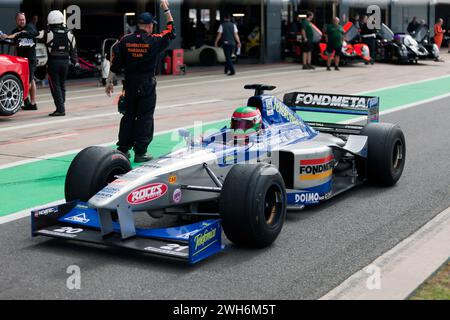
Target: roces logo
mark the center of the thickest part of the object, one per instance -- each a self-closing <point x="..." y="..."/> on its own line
<point x="147" y="193"/>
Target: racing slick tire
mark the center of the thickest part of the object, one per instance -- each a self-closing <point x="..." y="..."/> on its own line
<point x="386" y="153"/>
<point x="11" y="95"/>
<point x="91" y="170"/>
<point x="253" y="205"/>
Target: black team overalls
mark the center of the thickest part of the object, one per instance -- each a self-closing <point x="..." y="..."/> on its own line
<point x="138" y="54"/>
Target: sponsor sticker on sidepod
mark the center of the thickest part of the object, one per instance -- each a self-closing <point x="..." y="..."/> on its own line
<point x="147" y="193"/>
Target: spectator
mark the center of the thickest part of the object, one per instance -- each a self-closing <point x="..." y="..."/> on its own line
<point x="308" y="35"/>
<point x="368" y="36"/>
<point x="412" y="26"/>
<point x="356" y="20"/>
<point x="335" y="38"/>
<point x="228" y="33"/>
<point x="438" y="33"/>
<point x="24" y="39"/>
<point x="35" y="20"/>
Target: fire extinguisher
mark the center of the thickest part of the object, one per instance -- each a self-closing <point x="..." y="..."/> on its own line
<point x="167" y="65"/>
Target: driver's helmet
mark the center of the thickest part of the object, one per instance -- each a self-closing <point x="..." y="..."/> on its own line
<point x="246" y="121"/>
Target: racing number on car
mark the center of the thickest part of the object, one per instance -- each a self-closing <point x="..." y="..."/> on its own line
<point x="68" y="230"/>
<point x="174" y="247"/>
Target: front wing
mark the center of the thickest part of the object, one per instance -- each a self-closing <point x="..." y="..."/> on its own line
<point x="75" y="221"/>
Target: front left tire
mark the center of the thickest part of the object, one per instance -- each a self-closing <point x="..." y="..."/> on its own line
<point x="253" y="205"/>
<point x="91" y="170"/>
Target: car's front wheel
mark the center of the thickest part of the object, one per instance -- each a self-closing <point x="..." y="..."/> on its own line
<point x="91" y="170"/>
<point x="253" y="205"/>
<point x="11" y="95"/>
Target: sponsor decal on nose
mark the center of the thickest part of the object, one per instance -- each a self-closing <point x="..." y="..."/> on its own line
<point x="147" y="193"/>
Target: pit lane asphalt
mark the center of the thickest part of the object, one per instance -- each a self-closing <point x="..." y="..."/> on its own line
<point x="317" y="249"/>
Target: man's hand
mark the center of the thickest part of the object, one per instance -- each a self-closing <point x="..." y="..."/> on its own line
<point x="164" y="4"/>
<point x="109" y="89"/>
<point x="3" y="36"/>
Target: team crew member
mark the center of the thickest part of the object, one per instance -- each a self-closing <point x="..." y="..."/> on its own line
<point x="61" y="49"/>
<point x="308" y="35"/>
<point x="138" y="54"/>
<point x="24" y="39"/>
<point x="335" y="38"/>
<point x="438" y="33"/>
<point x="369" y="36"/>
<point x="228" y="32"/>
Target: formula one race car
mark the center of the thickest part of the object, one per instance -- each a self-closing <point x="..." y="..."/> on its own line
<point x="242" y="178"/>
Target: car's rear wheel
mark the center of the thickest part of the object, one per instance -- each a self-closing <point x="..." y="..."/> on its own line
<point x="253" y="205"/>
<point x="91" y="170"/>
<point x="11" y="94"/>
<point x="386" y="153"/>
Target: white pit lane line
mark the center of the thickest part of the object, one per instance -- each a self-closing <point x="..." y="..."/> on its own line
<point x="100" y="115"/>
<point x="161" y="83"/>
<point x="26" y="213"/>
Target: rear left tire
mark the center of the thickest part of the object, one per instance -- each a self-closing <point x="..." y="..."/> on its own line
<point x="386" y="154"/>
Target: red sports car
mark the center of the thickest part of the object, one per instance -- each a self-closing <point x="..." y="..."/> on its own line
<point x="14" y="83"/>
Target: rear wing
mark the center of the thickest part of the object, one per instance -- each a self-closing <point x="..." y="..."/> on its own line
<point x="335" y="103"/>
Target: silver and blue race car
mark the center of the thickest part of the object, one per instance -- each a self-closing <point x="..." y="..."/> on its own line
<point x="219" y="182"/>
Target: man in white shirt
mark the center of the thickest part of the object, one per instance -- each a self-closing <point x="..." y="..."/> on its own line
<point x="228" y="32"/>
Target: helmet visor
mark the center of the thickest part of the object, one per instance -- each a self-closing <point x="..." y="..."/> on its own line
<point x="242" y="124"/>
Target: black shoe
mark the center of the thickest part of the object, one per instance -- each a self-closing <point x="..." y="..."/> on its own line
<point x="305" y="67"/>
<point x="29" y="107"/>
<point x="336" y="68"/>
<point x="310" y="66"/>
<point x="143" y="158"/>
<point x="328" y="68"/>
<point x="232" y="73"/>
<point x="57" y="114"/>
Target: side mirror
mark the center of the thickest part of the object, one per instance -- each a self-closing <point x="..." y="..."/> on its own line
<point x="184" y="133"/>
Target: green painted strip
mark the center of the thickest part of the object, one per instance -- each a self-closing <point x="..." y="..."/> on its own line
<point x="41" y="182"/>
